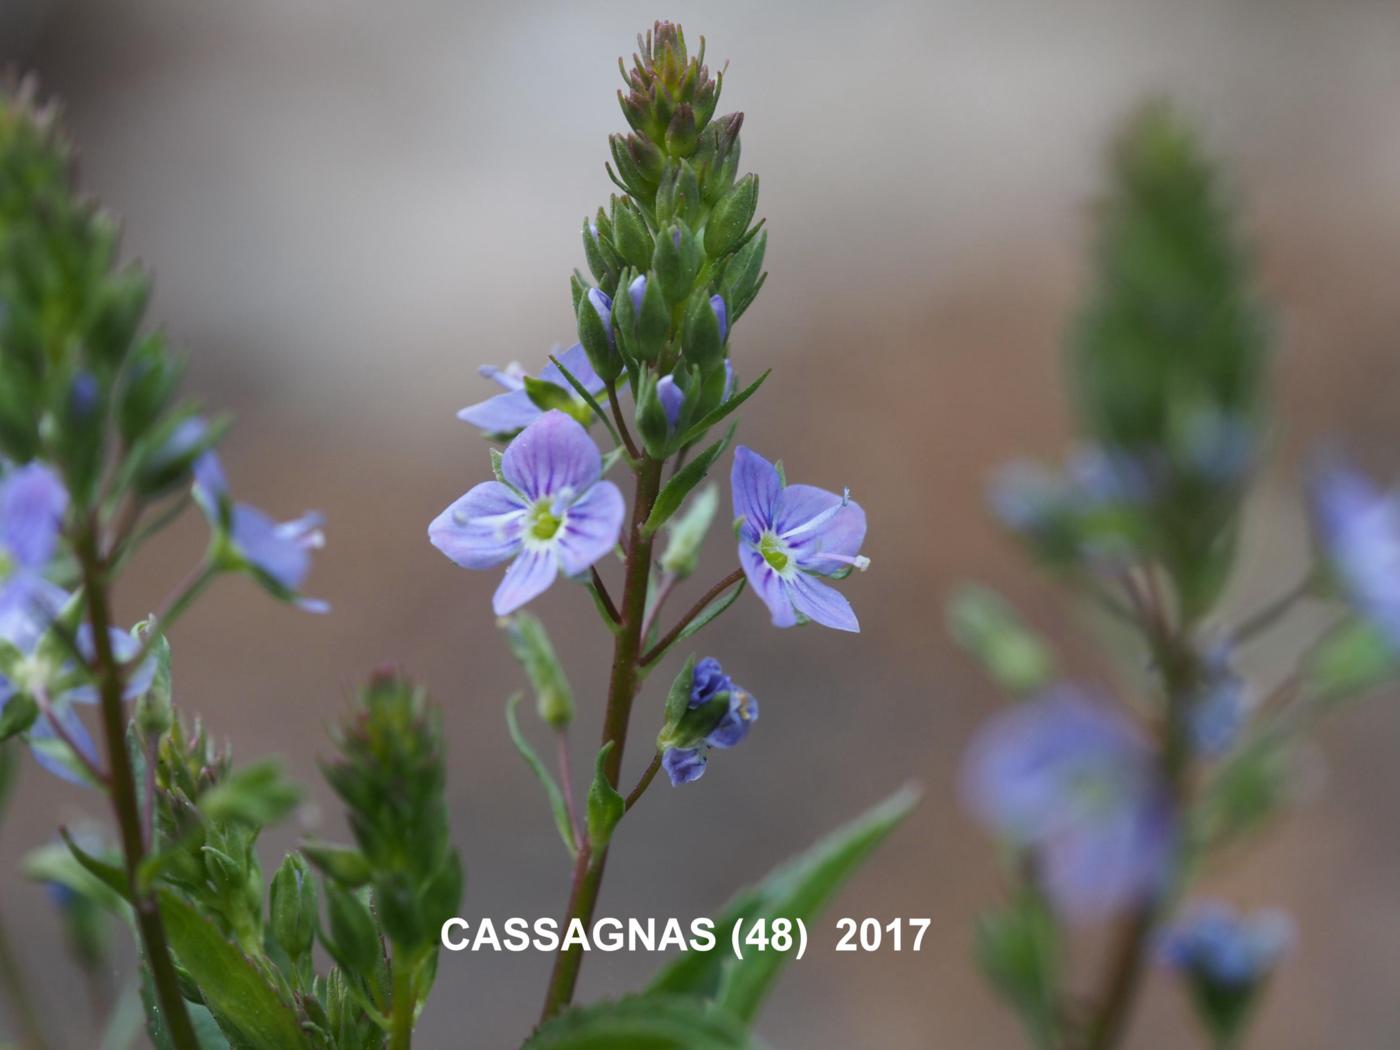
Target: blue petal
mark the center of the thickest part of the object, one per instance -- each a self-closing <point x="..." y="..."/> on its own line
<point x="32" y="503"/>
<point x="768" y="585"/>
<point x="551" y="457"/>
<point x="591" y="527"/>
<point x="755" y="486"/>
<point x="482" y="528"/>
<point x="73" y="726"/>
<point x="575" y="359"/>
<point x="821" y="604"/>
<point x="528" y="577"/>
<point x="683" y="764"/>
<point x="502" y="414"/>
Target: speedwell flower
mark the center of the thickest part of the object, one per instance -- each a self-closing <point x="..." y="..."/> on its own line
<point x="789" y="535"/>
<point x="1071" y="780"/>
<point x="1216" y="944"/>
<point x="549" y="511"/>
<point x="32" y="503"/>
<point x="1358" y="527"/>
<point x="277" y="554"/>
<point x="41" y="665"/>
<point x="725" y="713"/>
<point x="514" y="410"/>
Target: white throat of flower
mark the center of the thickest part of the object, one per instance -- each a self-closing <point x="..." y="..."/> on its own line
<point x="776" y="548"/>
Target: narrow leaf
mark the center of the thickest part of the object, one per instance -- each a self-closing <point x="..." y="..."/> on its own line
<point x="649" y="1022"/>
<point x="589" y="399"/>
<point x="697" y="431"/>
<point x="605" y="805"/>
<point x="669" y="500"/>
<point x="109" y="875"/>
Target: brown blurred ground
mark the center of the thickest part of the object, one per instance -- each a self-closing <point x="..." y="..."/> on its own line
<point x="350" y="205"/>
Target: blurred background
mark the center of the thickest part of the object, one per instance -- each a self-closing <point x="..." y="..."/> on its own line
<point x="350" y="205"/>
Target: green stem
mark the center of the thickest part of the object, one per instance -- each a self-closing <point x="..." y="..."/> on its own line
<point x="122" y="790"/>
<point x="622" y="689"/>
<point x="17" y="991"/>
<point x="643" y="783"/>
<point x="403" y="1004"/>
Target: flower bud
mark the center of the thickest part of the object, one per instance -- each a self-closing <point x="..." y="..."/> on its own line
<point x="340" y="863"/>
<point x="652" y="424"/>
<point x="678" y="194"/>
<point x="686" y="533"/>
<point x="530" y="644"/>
<point x="731" y="217"/>
<point x="292" y="907"/>
<point x="682" y="134"/>
<point x="706" y="327"/>
<point x="147" y="383"/>
<point x="631" y="238"/>
<point x="602" y="257"/>
<point x="639" y="164"/>
<point x="596" y="334"/>
<point x="716" y="158"/>
<point x="154" y="713"/>
<point x="676" y="262"/>
<point x="744" y="276"/>
<point x="354" y="942"/>
<point x="643" y="318"/>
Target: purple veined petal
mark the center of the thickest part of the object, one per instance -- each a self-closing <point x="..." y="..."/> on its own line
<point x="707" y="680"/>
<point x="668" y="392"/>
<point x="575" y="359"/>
<point x="552" y="456"/>
<point x="683" y="764"/>
<point x="755" y="486"/>
<point x="737" y="721"/>
<point x="270" y="548"/>
<point x="768" y="585"/>
<point x="528" y="577"/>
<point x="590" y="528"/>
<point x="721" y="315"/>
<point x="42" y="731"/>
<point x="512" y="377"/>
<point x="481" y="528"/>
<point x="821" y="604"/>
<point x="637" y="290"/>
<point x="823" y="531"/>
<point x="501" y="414"/>
<point x="32" y="503"/>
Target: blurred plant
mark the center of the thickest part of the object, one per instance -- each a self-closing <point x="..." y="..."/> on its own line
<point x="675" y="262"/>
<point x="1110" y="809"/>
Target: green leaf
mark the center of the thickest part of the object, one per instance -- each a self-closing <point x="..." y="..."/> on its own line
<point x="1019" y="951"/>
<point x="711" y="612"/>
<point x="542" y="774"/>
<point x="249" y="1012"/>
<point x="345" y="865"/>
<point x="17" y="716"/>
<point x="678" y="698"/>
<point x="109" y="875"/>
<point x="546" y="395"/>
<point x="673" y="494"/>
<point x="256" y="794"/>
<point x="206" y="1029"/>
<point x="605" y="805"/>
<point x="696" y="432"/>
<point x="9" y="773"/>
<point x="1352" y="659"/>
<point x="797" y="890"/>
<point x="686" y="533"/>
<point x="650" y="1022"/>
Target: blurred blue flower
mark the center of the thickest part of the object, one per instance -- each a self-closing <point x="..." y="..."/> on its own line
<point x="1071" y="779"/>
<point x="1221" y="947"/>
<point x="1358" y="527"/>
<point x="32" y="504"/>
<point x="278" y="554"/>
<point x="791" y="534"/>
<point x="1219" y="704"/>
<point x="550" y="511"/>
<point x="709" y="684"/>
<point x="513" y="411"/>
<point x="44" y="669"/>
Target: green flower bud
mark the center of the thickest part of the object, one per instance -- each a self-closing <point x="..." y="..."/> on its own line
<point x="744" y="276"/>
<point x="594" y="314"/>
<point x="340" y="863"/>
<point x="146" y="387"/>
<point x="154" y="713"/>
<point x="676" y="262"/>
<point x="292" y="907"/>
<point x="686" y="532"/>
<point x="354" y="941"/>
<point x="630" y="236"/>
<point x="652" y="424"/>
<point x="682" y="134"/>
<point x="731" y="217"/>
<point x="603" y="258"/>
<point x="702" y="340"/>
<point x="605" y="805"/>
<point x="639" y="164"/>
<point x="530" y="644"/>
<point x="678" y="195"/>
<point x="717" y="157"/>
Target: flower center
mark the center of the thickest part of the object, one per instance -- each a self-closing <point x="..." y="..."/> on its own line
<point x="7" y="564"/>
<point x="774" y="551"/>
<point x="542" y="522"/>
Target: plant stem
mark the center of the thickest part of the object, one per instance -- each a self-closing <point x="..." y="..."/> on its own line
<point x="656" y="651"/>
<point x="17" y="991"/>
<point x="121" y="788"/>
<point x="622" y="689"/>
<point x="644" y="783"/>
<point x="566" y="781"/>
<point x="402" y="1005"/>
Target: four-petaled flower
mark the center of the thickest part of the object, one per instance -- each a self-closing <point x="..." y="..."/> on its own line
<point x="729" y="711"/>
<point x="514" y="410"/>
<point x="32" y="504"/>
<point x="789" y="535"/>
<point x="549" y="511"/>
<point x="1359" y="529"/>
<point x="1217" y="945"/>
<point x="277" y="554"/>
<point x="1072" y="780"/>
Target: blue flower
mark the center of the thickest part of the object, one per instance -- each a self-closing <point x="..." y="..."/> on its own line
<point x="672" y="399"/>
<point x="550" y="511"/>
<point x="789" y="535"/>
<point x="1071" y="780"/>
<point x="1219" y="703"/>
<point x="513" y="411"/>
<point x="1223" y="949"/>
<point x="1358" y="527"/>
<point x="277" y="554"/>
<point x="43" y="668"/>
<point x="737" y="711"/>
<point x="32" y="504"/>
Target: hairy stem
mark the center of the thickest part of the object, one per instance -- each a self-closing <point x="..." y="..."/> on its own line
<point x="622" y="689"/>
<point x="121" y="788"/>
